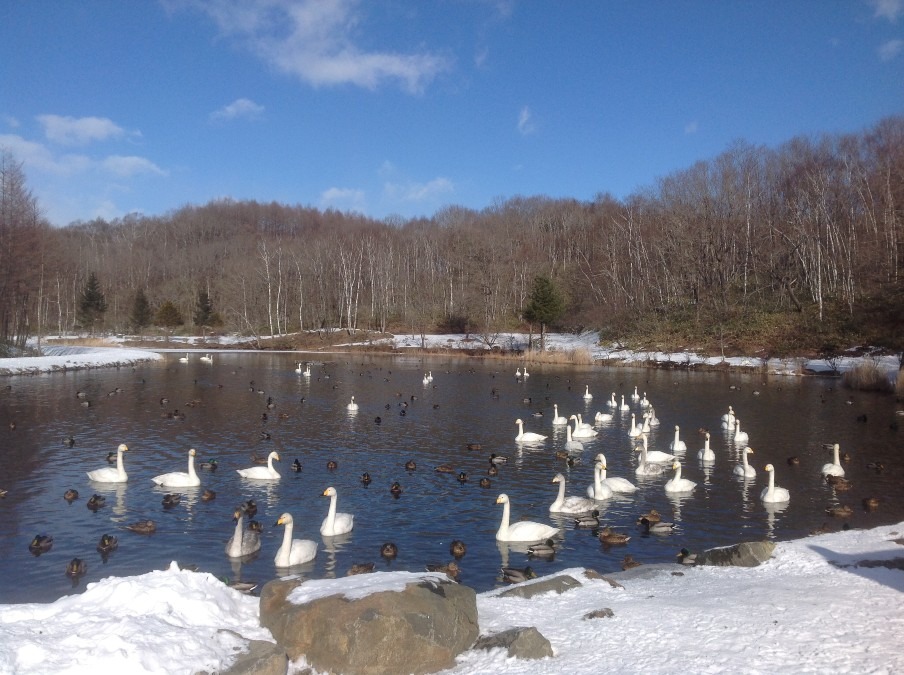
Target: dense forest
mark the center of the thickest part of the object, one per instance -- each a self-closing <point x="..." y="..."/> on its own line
<point x="790" y="249"/>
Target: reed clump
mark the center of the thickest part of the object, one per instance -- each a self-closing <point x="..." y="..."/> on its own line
<point x="868" y="376"/>
<point x="573" y="357"/>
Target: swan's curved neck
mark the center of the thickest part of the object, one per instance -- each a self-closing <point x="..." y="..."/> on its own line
<point x="504" y="525"/>
<point x="678" y="473"/>
<point x="331" y="514"/>
<point x="270" y="462"/>
<point x="837" y="457"/>
<point x="771" y="483"/>
<point x="239" y="531"/>
<point x="119" y="465"/>
<point x="191" y="465"/>
<point x="287" y="541"/>
<point x="568" y="432"/>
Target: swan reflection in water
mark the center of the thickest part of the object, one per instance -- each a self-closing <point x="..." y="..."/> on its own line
<point x="332" y="546"/>
<point x="773" y="509"/>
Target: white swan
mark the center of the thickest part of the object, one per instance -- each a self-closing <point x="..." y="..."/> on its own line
<point x="180" y="478"/>
<point x="581" y="423"/>
<point x="242" y="542"/>
<point x="677" y="445"/>
<point x="335" y="523"/>
<point x="207" y="358"/>
<point x="526" y="374"/>
<point x="298" y="368"/>
<point x="430" y="375"/>
<point x="744" y="469"/>
<point x="307" y="369"/>
<point x="599" y="490"/>
<point x="645" y="467"/>
<point x="572" y="504"/>
<point x="634" y="431"/>
<point x="834" y="468"/>
<point x="523" y="530"/>
<point x="293" y="551"/>
<point x="262" y="472"/>
<point x="612" y="403"/>
<point x="183" y="359"/>
<point x="728" y="419"/>
<point x="772" y="494"/>
<point x="677" y="483"/>
<point x="654" y="421"/>
<point x="603" y="417"/>
<point x="635" y="396"/>
<point x="654" y="455"/>
<point x="581" y="432"/>
<point x="623" y="406"/>
<point x="110" y="474"/>
<point x="740" y="436"/>
<point x="587" y="395"/>
<point x="645" y="427"/>
<point x="616" y="484"/>
<point x="557" y="419"/>
<point x="572" y="445"/>
<point x="707" y="454"/>
<point x="352" y="406"/>
<point x="518" y="372"/>
<point x="426" y="379"/>
<point x="645" y="402"/>
<point x="527" y="436"/>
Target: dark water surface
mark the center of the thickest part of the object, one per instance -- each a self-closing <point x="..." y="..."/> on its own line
<point x="223" y="405"/>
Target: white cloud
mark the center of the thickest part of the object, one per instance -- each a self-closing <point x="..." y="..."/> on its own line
<point x="11" y="121"/>
<point x="313" y="40"/>
<point x="418" y="192"/>
<point x="39" y="157"/>
<point x="343" y="199"/>
<point x="526" y="123"/>
<point x="239" y="108"/>
<point x="890" y="49"/>
<point x="888" y="9"/>
<point x="78" y="131"/>
<point x="126" y="167"/>
<point x="691" y="127"/>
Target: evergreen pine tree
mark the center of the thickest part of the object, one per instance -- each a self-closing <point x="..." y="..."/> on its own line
<point x="140" y="315"/>
<point x="168" y="316"/>
<point x="545" y="305"/>
<point x="204" y="310"/>
<point x="91" y="305"/>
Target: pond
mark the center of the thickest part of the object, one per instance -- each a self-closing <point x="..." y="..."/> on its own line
<point x="243" y="404"/>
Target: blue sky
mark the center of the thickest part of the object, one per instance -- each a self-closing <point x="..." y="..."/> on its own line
<point x="402" y="107"/>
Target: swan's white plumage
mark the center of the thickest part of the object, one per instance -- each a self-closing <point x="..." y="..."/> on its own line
<point x="728" y="419"/>
<point x="740" y="436"/>
<point x="523" y="530"/>
<point x="634" y="431"/>
<point x="744" y="469"/>
<point x="207" y="358"/>
<point x="183" y="359"/>
<point x="242" y="542"/>
<point x="262" y="472"/>
<point x="616" y="484"/>
<point x="773" y="494"/>
<point x="572" y="445"/>
<point x="527" y="435"/>
<point x="612" y="403"/>
<point x="571" y="504"/>
<point x="557" y="419"/>
<point x="352" y="406"/>
<point x="677" y="445"/>
<point x="587" y="395"/>
<point x="646" y="467"/>
<point x="599" y="490"/>
<point x="602" y="417"/>
<point x="655" y="455"/>
<point x="335" y="523"/>
<point x="111" y="474"/>
<point x="180" y="478"/>
<point x="834" y="468"/>
<point x="623" y="406"/>
<point x="581" y="432"/>
<point x="706" y="454"/>
<point x="677" y="483"/>
<point x="293" y="551"/>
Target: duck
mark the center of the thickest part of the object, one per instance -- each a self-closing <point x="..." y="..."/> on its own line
<point x="171" y="499"/>
<point x="352" y="406"/>
<point x="255" y="526"/>
<point x="180" y="478"/>
<point x="834" y="467"/>
<point x="242" y="542"/>
<point x="744" y="469"/>
<point x="572" y="504"/>
<point x="111" y="457"/>
<point x="773" y="494"/>
<point x="557" y="419"/>
<point x="599" y="490"/>
<point x="514" y="575"/>
<point x="107" y="544"/>
<point x="497" y="459"/>
<point x="293" y="551"/>
<point x="629" y="563"/>
<point x="492" y="470"/>
<point x="609" y="536"/>
<point x="840" y="511"/>
<point x="581" y="432"/>
<point x="76" y="568"/>
<point x="588" y="521"/>
<point x="677" y="445"/>
<point x="410" y="465"/>
<point x="444" y="468"/>
<point x="657" y="527"/>
<point x="209" y="465"/>
<point x="462" y="477"/>
<point x="296" y="466"/>
<point x="109" y="474"/>
<point x="793" y="461"/>
<point x="651" y="516"/>
<point x="740" y="437"/>
<point x="208" y="495"/>
<point x="839" y="483"/>
<point x="685" y="557"/>
<point x="571" y="445"/>
<point x="677" y="483"/>
<point x="335" y="523"/>
<point x="450" y="569"/>
<point x="360" y="568"/>
<point x="95" y="502"/>
<point x="870" y="503"/>
<point x="69" y="442"/>
<point x="389" y="550"/>
<point x="395" y="489"/>
<point x="262" y="472"/>
<point x="544" y="549"/>
<point x="474" y="446"/>
<point x="522" y="530"/>
<point x="365" y="478"/>
<point x="41" y="544"/>
<point x="527" y="436"/>
<point x="249" y="506"/>
<point x="142" y="527"/>
<point x="654" y="455"/>
<point x="70" y="495"/>
<point x="616" y="484"/>
<point x="707" y="454"/>
<point x="486" y="482"/>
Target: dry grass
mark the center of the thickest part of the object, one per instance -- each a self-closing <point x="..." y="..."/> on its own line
<point x="899" y="383"/>
<point x="867" y="376"/>
<point x="572" y="357"/>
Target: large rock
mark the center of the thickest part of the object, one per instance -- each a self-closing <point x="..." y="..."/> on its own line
<point x="521" y="643"/>
<point x="557" y="584"/>
<point x="262" y="658"/>
<point x="745" y="554"/>
<point x="419" y="625"/>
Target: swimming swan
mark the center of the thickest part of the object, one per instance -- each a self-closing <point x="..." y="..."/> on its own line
<point x="623" y="406"/>
<point x="728" y="419"/>
<point x="646" y="467"/>
<point x="739" y="436"/>
<point x="523" y="530"/>
<point x="612" y="403"/>
<point x="587" y="395"/>
<point x="572" y="504"/>
<point x="707" y="454"/>
<point x="677" y="445"/>
<point x="527" y="435"/>
<point x="572" y="445"/>
<point x="772" y="494"/>
<point x="262" y="472"/>
<point x="634" y="431"/>
<point x="293" y="551"/>
<point x="335" y="523"/>
<point x="598" y="490"/>
<point x="352" y="406"/>
<point x="602" y="417"/>
<point x="616" y="484"/>
<point x="677" y="483"/>
<point x="744" y="469"/>
<point x="557" y="419"/>
<point x="207" y="358"/>
<point x="655" y="455"/>
<point x="111" y="474"/>
<point x="834" y="468"/>
<point x="180" y="478"/>
<point x="242" y="542"/>
<point x="581" y="432"/>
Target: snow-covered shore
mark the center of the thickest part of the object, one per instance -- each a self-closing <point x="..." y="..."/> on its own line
<point x="831" y="603"/>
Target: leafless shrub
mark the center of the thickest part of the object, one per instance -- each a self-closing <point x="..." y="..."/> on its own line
<point x="868" y="376"/>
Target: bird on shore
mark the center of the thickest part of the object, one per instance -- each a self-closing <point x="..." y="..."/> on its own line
<point x="515" y="575"/>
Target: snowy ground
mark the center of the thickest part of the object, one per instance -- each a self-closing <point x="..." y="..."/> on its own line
<point x="832" y="603"/>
